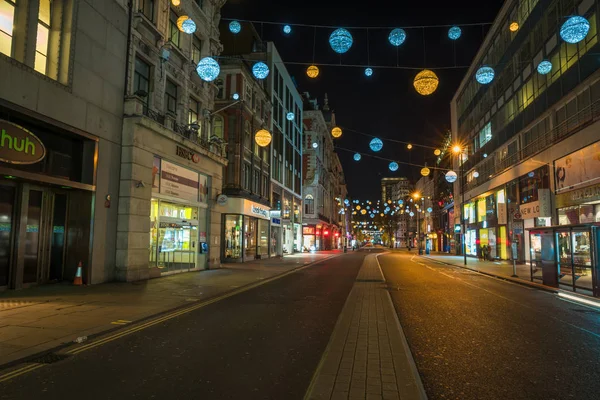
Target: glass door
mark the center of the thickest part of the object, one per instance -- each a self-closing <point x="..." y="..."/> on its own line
<point x="564" y="257"/>
<point x="7" y="209"/>
<point x="582" y="261"/>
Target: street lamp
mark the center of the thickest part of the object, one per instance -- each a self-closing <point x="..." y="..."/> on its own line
<point x="456" y="149"/>
<point x="417" y="196"/>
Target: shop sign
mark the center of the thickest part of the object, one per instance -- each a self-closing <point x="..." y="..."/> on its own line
<point x="18" y="145"/>
<point x="187" y="154"/>
<point x="276" y="221"/>
<point x="222" y="199"/>
<point x="540" y="208"/>
<point x="178" y="181"/>
<point x="502" y="214"/>
<point x="202" y="237"/>
<point x="308" y="230"/>
<point x="259" y="211"/>
<point x="578" y="196"/>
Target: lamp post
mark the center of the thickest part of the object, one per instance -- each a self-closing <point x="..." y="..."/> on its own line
<point x="458" y="151"/>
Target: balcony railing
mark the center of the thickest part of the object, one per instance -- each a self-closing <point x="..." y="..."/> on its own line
<point x="491" y="167"/>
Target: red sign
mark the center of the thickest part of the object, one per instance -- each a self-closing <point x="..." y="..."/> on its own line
<point x="308" y="230"/>
<point x="518" y="215"/>
<point x="326" y="233"/>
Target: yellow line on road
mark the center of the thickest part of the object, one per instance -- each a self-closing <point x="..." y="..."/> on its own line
<point x="20" y="371"/>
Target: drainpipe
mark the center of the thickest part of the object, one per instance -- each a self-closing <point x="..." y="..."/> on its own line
<point x="127" y="51"/>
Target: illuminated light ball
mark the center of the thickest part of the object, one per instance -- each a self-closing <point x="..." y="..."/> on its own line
<point x="437" y="152"/>
<point x="315" y="145"/>
<point x="514" y="26"/>
<point x="409" y="146"/>
<point x="188" y="26"/>
<point x="176" y="3"/>
<point x="180" y="21"/>
<point x="358" y="208"/>
<point x="363" y="212"/>
<point x="485" y="75"/>
<point x="208" y="69"/>
<point x="544" y="67"/>
<point x="389" y="202"/>
<point x="575" y="29"/>
<point x="336" y="132"/>
<point x="397" y="37"/>
<point x="287" y="29"/>
<point x="381" y="214"/>
<point x="357" y="157"/>
<point x="368" y="71"/>
<point x="312" y="71"/>
<point x="429" y="209"/>
<point x="347" y="202"/>
<point x="412" y="214"/>
<point x="236" y="96"/>
<point x="376" y="144"/>
<point x="372" y="215"/>
<point x="454" y="33"/>
<point x="484" y="155"/>
<point x="400" y="202"/>
<point x="425" y="171"/>
<point x="393" y="166"/>
<point x="235" y="27"/>
<point x="290" y="116"/>
<point x="260" y="70"/>
<point x="262" y="138"/>
<point x="340" y="40"/>
<point x="426" y="82"/>
<point x="475" y="174"/>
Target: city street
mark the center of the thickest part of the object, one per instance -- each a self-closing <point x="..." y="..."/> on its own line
<point x="262" y="343"/>
<point x="476" y="337"/>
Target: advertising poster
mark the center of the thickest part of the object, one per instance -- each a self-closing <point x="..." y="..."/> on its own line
<point x="178" y="182"/>
<point x="156" y="175"/>
<point x="203" y="189"/>
<point x="578" y="169"/>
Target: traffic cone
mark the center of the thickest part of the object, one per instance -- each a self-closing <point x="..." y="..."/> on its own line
<point x="78" y="281"/>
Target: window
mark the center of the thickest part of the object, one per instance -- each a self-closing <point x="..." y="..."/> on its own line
<point x="246" y="177"/>
<point x="485" y="135"/>
<point x="141" y="78"/>
<point x="196" y="50"/>
<point x="194" y="111"/>
<point x="220" y="89"/>
<point x="43" y="32"/>
<point x="171" y="97"/>
<point x="309" y="204"/>
<point x="247" y="135"/>
<point x="7" y="15"/>
<point x="218" y="127"/>
<point x="256" y="182"/>
<point x="147" y="8"/>
<point x="173" y="29"/>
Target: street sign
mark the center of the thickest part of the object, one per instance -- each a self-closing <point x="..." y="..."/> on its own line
<point x="517" y="215"/>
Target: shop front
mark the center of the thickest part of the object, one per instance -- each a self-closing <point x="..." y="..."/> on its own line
<point x="47" y="190"/>
<point x="178" y="219"/>
<point x="275" y="250"/>
<point x="245" y="235"/>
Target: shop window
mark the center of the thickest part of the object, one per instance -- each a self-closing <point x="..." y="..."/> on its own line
<point x="263" y="237"/>
<point x="250" y="237"/>
<point x="193" y="111"/>
<point x="7" y="16"/>
<point x="309" y="204"/>
<point x="481" y="210"/>
<point x="233" y="236"/>
<point x="196" y="50"/>
<point x="173" y="29"/>
<point x="146" y="7"/>
<point x="171" y="97"/>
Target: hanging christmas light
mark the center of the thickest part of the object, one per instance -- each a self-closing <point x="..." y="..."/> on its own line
<point x="185" y="24"/>
<point x="575" y="29"/>
<point x="475" y="174"/>
<point x="393" y="166"/>
<point x="262" y="138"/>
<point x="357" y="157"/>
<point x="454" y="33"/>
<point x="514" y="26"/>
<point x="290" y="116"/>
<point x="397" y="37"/>
<point x="409" y="146"/>
<point x="485" y="75"/>
<point x="437" y="152"/>
<point x="544" y="67"/>
<point x="340" y="40"/>
<point x="287" y="29"/>
<point x="236" y="96"/>
<point x="376" y="144"/>
<point x="208" y="69"/>
<point x="315" y="145"/>
<point x="425" y="171"/>
<point x="368" y="71"/>
<point x="235" y="27"/>
<point x="426" y="82"/>
<point x="312" y="71"/>
<point x="176" y="3"/>
<point x="260" y="70"/>
<point x="336" y="132"/>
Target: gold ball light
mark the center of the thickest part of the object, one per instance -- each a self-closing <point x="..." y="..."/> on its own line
<point x="312" y="71"/>
<point x="336" y="132"/>
<point x="425" y="171"/>
<point x="262" y="138"/>
<point x="180" y="22"/>
<point x="409" y="146"/>
<point x="363" y="212"/>
<point x="358" y="208"/>
<point x="437" y="152"/>
<point x="426" y="82"/>
<point x="514" y="26"/>
<point x="176" y="3"/>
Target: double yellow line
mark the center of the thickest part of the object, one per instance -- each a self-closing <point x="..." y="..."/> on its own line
<point x="137" y="328"/>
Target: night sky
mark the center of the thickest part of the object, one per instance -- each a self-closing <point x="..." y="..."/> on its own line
<point x="385" y="104"/>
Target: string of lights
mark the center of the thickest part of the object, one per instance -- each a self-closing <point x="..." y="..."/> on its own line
<point x="390" y="160"/>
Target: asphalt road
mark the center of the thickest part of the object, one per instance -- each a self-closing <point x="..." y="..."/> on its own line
<point x="475" y="337"/>
<point x="264" y="343"/>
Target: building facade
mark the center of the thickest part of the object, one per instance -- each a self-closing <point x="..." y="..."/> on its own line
<point x="246" y="205"/>
<point x="525" y="135"/>
<point x="171" y="159"/>
<point x="324" y="187"/>
<point x="62" y="68"/>
<point x="398" y="189"/>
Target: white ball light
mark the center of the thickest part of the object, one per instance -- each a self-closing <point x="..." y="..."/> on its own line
<point x="451" y="176"/>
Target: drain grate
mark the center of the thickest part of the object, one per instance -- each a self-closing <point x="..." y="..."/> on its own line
<point x="50" y="358"/>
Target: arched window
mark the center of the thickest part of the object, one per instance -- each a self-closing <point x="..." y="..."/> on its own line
<point x="220" y="89"/>
<point x="247" y="135"/>
<point x="309" y="204"/>
<point x="218" y="127"/>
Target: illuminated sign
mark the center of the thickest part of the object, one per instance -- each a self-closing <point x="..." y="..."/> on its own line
<point x="18" y="145"/>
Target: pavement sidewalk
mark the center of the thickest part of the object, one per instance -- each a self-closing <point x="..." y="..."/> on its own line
<point x="367" y="356"/>
<point x="39" y="319"/>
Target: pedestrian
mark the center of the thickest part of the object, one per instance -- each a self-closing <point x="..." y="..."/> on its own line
<point x="489" y="252"/>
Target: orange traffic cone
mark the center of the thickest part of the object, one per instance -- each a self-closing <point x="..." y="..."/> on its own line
<point x="78" y="281"/>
